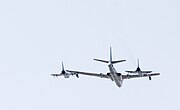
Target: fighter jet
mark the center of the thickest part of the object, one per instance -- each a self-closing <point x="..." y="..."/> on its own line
<point x="64" y="73"/>
<point x="113" y="75"/>
<point x="139" y="72"/>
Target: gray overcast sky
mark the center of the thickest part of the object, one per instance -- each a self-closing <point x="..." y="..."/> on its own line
<point x="36" y="35"/>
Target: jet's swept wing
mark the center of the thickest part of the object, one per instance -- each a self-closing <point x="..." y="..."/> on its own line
<point x="146" y="71"/>
<point x="138" y="71"/>
<point x="89" y="74"/>
<point x="131" y="71"/>
<point x="56" y="74"/>
<point x="137" y="76"/>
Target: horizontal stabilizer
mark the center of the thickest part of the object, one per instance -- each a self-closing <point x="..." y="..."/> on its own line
<point x="110" y="61"/>
<point x="118" y="61"/>
<point x="104" y="61"/>
<point x="113" y="62"/>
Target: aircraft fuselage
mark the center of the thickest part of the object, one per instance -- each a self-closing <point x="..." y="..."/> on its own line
<point x="117" y="78"/>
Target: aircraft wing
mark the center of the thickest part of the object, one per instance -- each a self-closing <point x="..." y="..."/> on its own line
<point x="89" y="74"/>
<point x="136" y="71"/>
<point x="56" y="74"/>
<point x="146" y="71"/>
<point x="137" y="76"/>
<point x="131" y="71"/>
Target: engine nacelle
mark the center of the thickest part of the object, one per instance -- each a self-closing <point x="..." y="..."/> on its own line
<point x="119" y="74"/>
<point x="101" y="75"/>
<point x="66" y="75"/>
<point x="77" y="75"/>
<point x="128" y="76"/>
<point x="150" y="78"/>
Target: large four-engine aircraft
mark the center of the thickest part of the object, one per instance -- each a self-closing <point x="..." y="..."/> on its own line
<point x="113" y="75"/>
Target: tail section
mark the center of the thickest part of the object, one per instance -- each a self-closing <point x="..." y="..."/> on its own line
<point x="63" y="71"/>
<point x="110" y="61"/>
<point x="138" y="68"/>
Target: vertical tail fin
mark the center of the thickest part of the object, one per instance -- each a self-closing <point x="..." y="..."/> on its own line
<point x="62" y="66"/>
<point x="138" y="68"/>
<point x="110" y="54"/>
<point x="63" y="71"/>
<point x="113" y="62"/>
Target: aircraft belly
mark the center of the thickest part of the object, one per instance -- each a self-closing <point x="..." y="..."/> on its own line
<point x="117" y="79"/>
